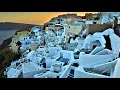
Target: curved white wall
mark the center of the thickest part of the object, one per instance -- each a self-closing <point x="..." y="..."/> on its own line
<point x="88" y="60"/>
<point x="80" y="73"/>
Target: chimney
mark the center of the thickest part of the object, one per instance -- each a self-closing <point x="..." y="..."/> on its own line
<point x="115" y="23"/>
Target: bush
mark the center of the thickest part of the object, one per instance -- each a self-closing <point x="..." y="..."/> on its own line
<point x="8" y="57"/>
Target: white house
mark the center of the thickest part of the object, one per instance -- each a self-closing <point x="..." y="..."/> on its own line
<point x="30" y="69"/>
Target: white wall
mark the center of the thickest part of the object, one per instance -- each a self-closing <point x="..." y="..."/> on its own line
<point x="80" y="73"/>
<point x="97" y="43"/>
<point x="66" y="72"/>
<point x="68" y="54"/>
<point x="89" y="22"/>
<point x="30" y="74"/>
<point x="80" y="43"/>
<point x="49" y="63"/>
<point x="104" y="52"/>
<point x="104" y="66"/>
<point x="96" y="50"/>
<point x="88" y="60"/>
<point x="115" y="42"/>
<point x="105" y="19"/>
<point x="116" y="73"/>
<point x="13" y="73"/>
<point x="66" y="28"/>
<point x="47" y="74"/>
<point x="95" y="39"/>
<point x="60" y="69"/>
<point x="31" y="55"/>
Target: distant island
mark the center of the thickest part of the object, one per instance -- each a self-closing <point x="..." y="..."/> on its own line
<point x="15" y="26"/>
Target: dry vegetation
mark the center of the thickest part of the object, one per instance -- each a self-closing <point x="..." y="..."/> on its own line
<point x="6" y="57"/>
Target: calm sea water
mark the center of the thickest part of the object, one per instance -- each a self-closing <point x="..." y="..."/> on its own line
<point x="4" y="34"/>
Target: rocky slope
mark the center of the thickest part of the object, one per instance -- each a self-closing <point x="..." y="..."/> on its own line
<point x="6" y="57"/>
<point x="5" y="43"/>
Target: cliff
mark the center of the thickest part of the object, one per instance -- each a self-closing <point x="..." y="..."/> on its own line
<point x="5" y="43"/>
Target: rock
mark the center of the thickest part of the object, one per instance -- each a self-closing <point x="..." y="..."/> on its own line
<point x="1" y="59"/>
<point x="5" y="43"/>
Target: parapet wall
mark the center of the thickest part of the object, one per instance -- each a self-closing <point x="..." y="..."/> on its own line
<point x="92" y="28"/>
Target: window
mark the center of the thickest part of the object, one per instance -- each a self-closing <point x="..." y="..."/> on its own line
<point x="75" y="64"/>
<point x="94" y="22"/>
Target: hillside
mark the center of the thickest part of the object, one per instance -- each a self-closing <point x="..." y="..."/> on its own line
<point x="6" y="57"/>
<point x="5" y="43"/>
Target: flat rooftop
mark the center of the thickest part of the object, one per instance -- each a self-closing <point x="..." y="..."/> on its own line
<point x="31" y="66"/>
<point x="12" y="73"/>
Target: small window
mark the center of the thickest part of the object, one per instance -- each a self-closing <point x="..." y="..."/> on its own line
<point x="94" y="22"/>
<point x="75" y="64"/>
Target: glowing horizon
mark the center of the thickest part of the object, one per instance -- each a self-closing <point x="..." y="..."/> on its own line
<point x="33" y="17"/>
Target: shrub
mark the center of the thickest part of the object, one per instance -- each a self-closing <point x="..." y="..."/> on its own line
<point x="8" y="57"/>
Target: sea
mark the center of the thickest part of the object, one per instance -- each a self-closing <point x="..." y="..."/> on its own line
<point x="5" y="34"/>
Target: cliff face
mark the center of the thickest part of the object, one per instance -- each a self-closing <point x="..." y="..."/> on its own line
<point x="6" y="56"/>
<point x="5" y="43"/>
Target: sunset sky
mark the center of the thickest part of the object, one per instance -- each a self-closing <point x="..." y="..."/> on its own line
<point x="32" y="17"/>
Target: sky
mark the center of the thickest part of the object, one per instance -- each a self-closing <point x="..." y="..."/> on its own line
<point x="33" y="17"/>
